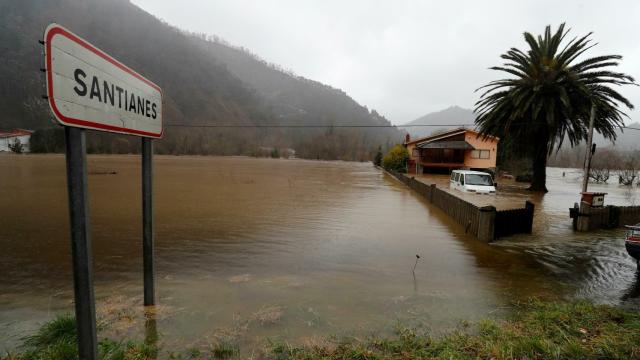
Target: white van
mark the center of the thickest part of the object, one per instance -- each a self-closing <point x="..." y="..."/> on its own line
<point x="472" y="181"/>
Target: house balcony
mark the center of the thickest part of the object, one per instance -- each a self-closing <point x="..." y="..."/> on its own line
<point x="432" y="164"/>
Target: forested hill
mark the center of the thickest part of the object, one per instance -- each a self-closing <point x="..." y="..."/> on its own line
<point x="205" y="82"/>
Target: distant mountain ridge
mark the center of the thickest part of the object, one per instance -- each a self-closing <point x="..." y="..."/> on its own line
<point x="628" y="139"/>
<point x="455" y="116"/>
<point x="448" y="118"/>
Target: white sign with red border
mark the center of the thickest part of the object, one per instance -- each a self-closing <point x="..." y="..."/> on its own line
<point x="89" y="89"/>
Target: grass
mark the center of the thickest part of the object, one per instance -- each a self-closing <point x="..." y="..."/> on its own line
<point x="536" y="330"/>
<point x="225" y="350"/>
<point x="57" y="340"/>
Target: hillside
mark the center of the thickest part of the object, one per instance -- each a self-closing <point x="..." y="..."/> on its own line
<point x="627" y="139"/>
<point x="451" y="117"/>
<point x="205" y="82"/>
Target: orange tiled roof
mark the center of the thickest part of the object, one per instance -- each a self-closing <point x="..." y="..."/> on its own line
<point x="446" y="134"/>
<point x="14" y="133"/>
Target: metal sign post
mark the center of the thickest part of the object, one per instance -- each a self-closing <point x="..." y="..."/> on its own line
<point x="76" y="156"/>
<point x="147" y="222"/>
<point x="88" y="89"/>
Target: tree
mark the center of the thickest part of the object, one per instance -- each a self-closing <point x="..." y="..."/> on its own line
<point x="17" y="146"/>
<point x="629" y="166"/>
<point x="377" y="160"/>
<point x="396" y="159"/>
<point x="549" y="97"/>
<point x="47" y="140"/>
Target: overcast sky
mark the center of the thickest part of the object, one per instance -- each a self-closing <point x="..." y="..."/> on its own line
<point x="403" y="58"/>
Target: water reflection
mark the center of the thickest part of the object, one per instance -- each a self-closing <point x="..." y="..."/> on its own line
<point x="413" y="272"/>
<point x="151" y="329"/>
<point x="633" y="291"/>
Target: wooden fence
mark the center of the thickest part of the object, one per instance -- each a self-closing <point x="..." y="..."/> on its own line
<point x="514" y="221"/>
<point x="587" y="218"/>
<point x="485" y="223"/>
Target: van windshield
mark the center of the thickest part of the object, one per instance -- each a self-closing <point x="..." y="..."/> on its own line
<point x="475" y="179"/>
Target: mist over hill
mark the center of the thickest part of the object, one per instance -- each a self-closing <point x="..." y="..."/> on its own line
<point x="627" y="139"/>
<point x="205" y="81"/>
<point x="452" y="117"/>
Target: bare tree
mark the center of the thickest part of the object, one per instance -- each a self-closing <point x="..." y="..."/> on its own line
<point x="604" y="162"/>
<point x="629" y="166"/>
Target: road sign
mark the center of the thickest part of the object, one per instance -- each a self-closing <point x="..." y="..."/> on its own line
<point x="89" y="89"/>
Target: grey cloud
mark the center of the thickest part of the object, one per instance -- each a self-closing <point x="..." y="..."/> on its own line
<point x="404" y="58"/>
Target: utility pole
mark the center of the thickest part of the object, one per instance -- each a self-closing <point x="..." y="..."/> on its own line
<point x="587" y="162"/>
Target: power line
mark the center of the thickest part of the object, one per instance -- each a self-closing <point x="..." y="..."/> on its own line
<point x="328" y="126"/>
<point x="306" y="126"/>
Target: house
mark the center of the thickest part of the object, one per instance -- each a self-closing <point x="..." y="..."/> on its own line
<point x="460" y="148"/>
<point x="9" y="138"/>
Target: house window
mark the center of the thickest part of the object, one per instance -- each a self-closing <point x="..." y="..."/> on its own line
<point x="480" y="154"/>
<point x="415" y="153"/>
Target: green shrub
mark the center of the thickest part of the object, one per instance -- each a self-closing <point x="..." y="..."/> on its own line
<point x="396" y="159"/>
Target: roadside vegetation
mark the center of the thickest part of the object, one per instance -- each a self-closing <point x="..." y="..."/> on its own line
<point x="396" y="159"/>
<point x="536" y="330"/>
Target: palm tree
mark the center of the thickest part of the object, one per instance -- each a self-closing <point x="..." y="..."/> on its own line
<point x="549" y="97"/>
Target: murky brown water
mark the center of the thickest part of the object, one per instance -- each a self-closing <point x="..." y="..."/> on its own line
<point x="249" y="249"/>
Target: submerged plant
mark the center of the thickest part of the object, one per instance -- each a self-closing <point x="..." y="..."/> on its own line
<point x="268" y="314"/>
<point x="535" y="330"/>
<point x="57" y="340"/>
<point x="416" y="264"/>
<point x="225" y="350"/>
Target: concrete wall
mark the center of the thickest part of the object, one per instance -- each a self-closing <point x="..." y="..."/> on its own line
<point x="490" y="144"/>
<point x="413" y="166"/>
<point x="24" y="139"/>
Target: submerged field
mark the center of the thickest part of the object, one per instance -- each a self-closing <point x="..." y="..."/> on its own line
<point x="293" y="251"/>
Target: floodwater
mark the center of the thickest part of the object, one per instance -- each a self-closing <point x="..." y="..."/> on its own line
<point x="255" y="249"/>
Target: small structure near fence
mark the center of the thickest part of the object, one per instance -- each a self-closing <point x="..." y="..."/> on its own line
<point x="486" y="223"/>
<point x="587" y="217"/>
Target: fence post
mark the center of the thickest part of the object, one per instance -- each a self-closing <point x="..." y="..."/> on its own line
<point x="583" y="216"/>
<point x="486" y="223"/>
<point x="614" y="216"/>
<point x="147" y="222"/>
<point x="530" y="208"/>
<point x="576" y="211"/>
<point x="432" y="192"/>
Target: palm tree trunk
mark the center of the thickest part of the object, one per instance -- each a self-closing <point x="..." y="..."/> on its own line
<point x="539" y="178"/>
